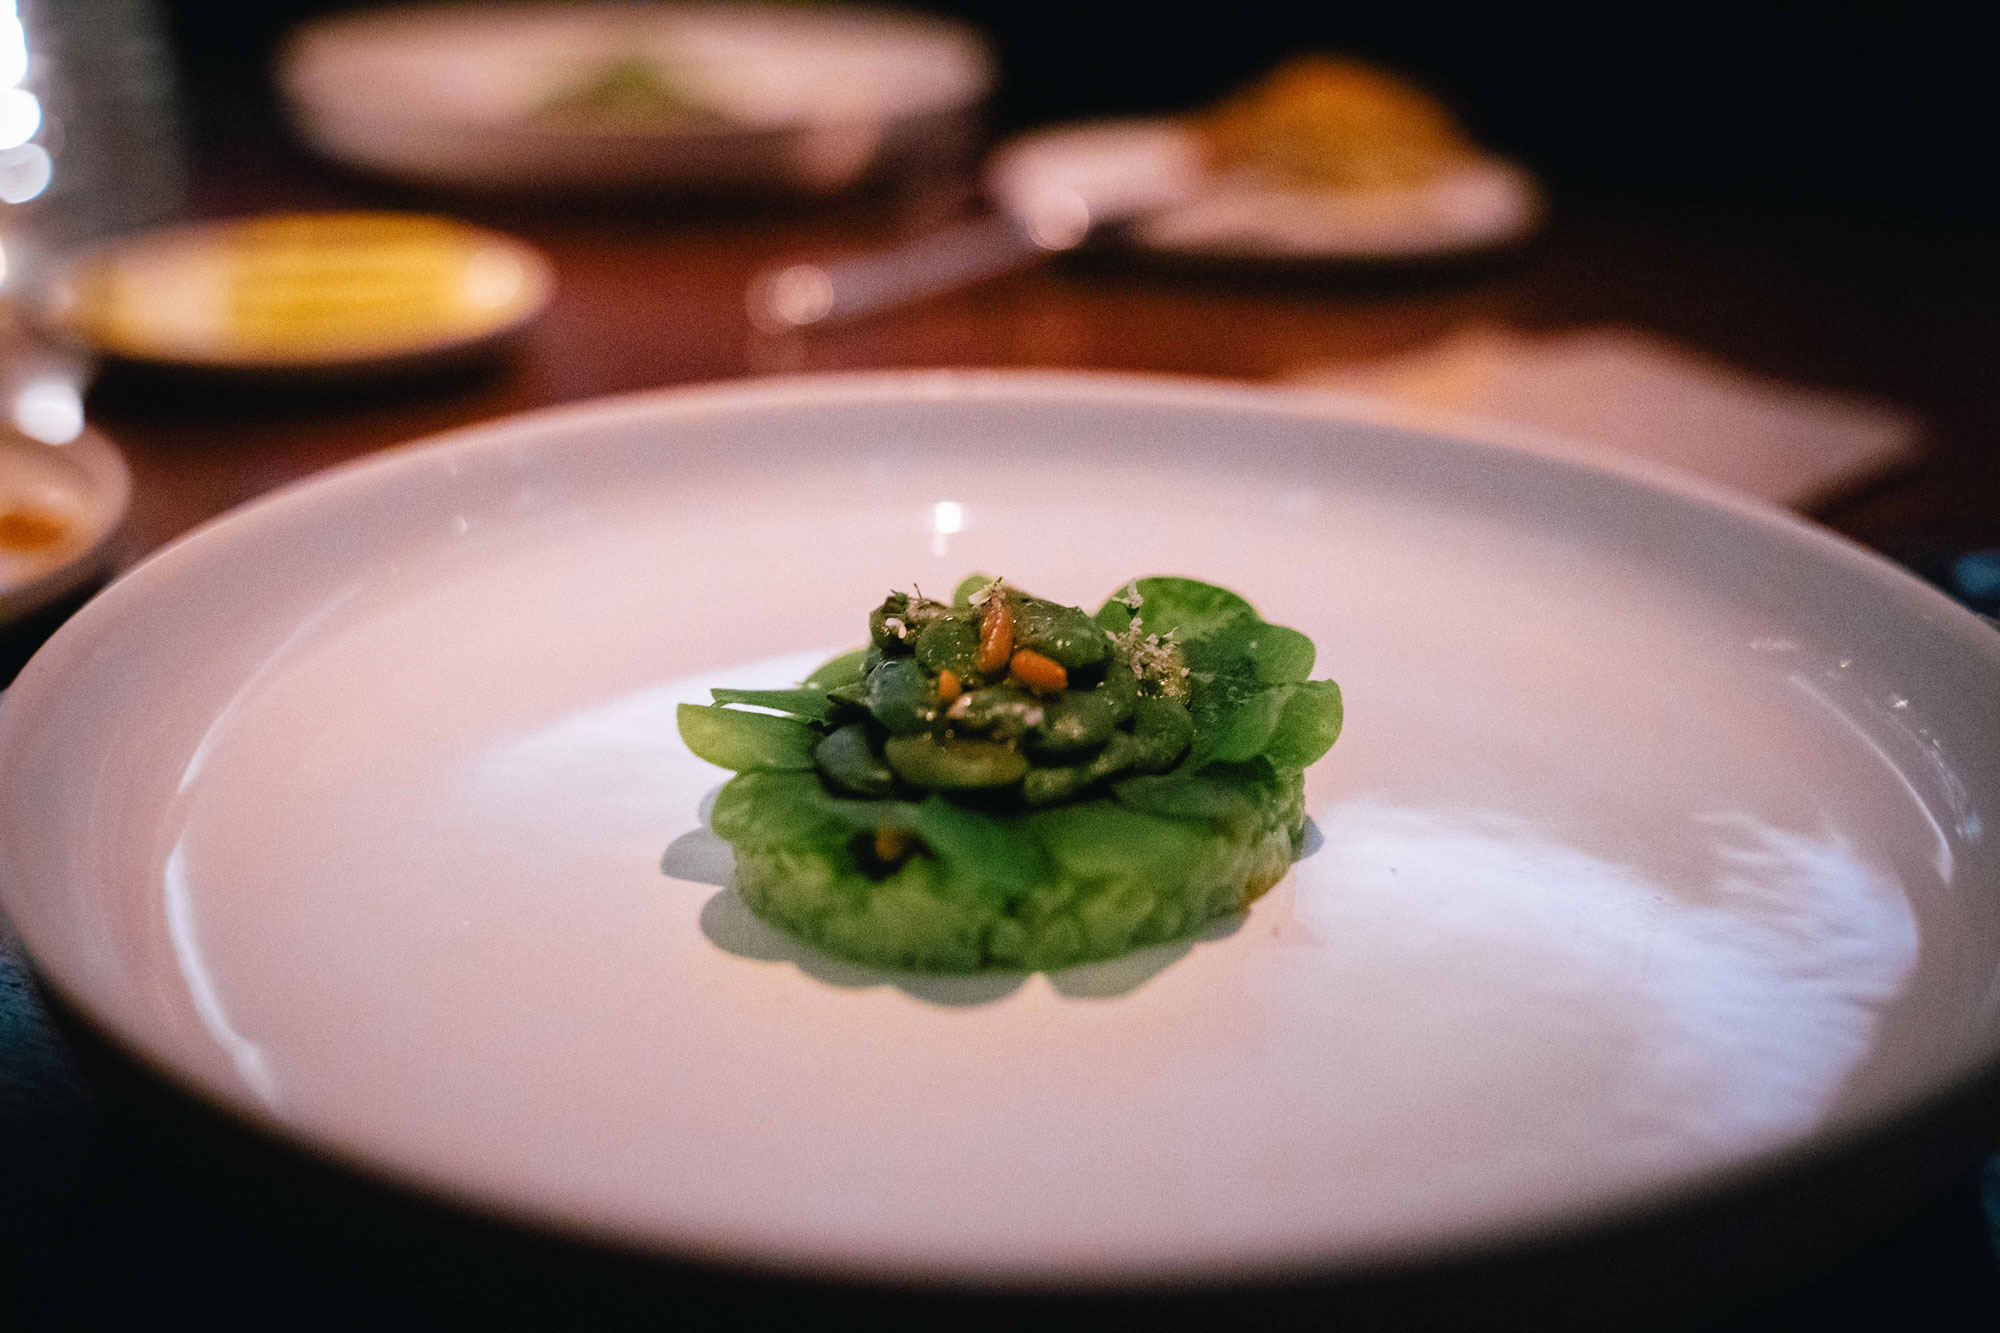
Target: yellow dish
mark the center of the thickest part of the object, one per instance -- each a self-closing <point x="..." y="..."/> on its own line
<point x="301" y="291"/>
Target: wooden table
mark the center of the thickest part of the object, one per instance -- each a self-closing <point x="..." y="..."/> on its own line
<point x="651" y="296"/>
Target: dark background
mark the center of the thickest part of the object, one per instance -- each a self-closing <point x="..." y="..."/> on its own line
<point x="1879" y="108"/>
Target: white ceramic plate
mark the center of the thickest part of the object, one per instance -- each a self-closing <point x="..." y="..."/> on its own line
<point x="807" y="97"/>
<point x="1655" y="846"/>
<point x="1155" y="168"/>
<point x="74" y="495"/>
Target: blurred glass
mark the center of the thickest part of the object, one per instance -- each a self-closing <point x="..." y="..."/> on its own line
<point x="89" y="148"/>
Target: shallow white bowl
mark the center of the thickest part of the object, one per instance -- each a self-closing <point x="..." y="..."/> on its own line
<point x="1655" y="849"/>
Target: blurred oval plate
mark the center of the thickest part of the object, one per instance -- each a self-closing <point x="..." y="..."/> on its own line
<point x="1188" y="210"/>
<point x="300" y="294"/>
<point x="544" y="98"/>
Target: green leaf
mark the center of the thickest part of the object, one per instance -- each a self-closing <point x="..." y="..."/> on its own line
<point x="731" y="738"/>
<point x="768" y="808"/>
<point x="1308" y="727"/>
<point x="1190" y="608"/>
<point x="1102" y="840"/>
<point x="970" y="584"/>
<point x="1282" y="656"/>
<point x="979" y="847"/>
<point x="1244" y="731"/>
<point x="1222" y="679"/>
<point x="806" y="703"/>
<point x="1212" y="802"/>
<point x="1239" y="669"/>
<point x="794" y="809"/>
<point x="846" y="669"/>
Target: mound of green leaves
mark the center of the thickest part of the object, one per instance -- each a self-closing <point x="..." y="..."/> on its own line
<point x="915" y="804"/>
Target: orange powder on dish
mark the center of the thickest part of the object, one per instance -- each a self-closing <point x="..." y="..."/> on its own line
<point x="27" y="528"/>
<point x="1335" y="123"/>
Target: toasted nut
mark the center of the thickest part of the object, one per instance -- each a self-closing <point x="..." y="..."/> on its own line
<point x="891" y="845"/>
<point x="996" y="634"/>
<point x="1043" y="675"/>
<point x="949" y="687"/>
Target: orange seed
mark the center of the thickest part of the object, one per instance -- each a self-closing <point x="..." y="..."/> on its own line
<point x="949" y="686"/>
<point x="1041" y="674"/>
<point x="996" y="634"/>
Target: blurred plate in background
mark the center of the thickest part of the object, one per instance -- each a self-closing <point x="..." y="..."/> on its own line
<point x="1197" y="212"/>
<point x="547" y="98"/>
<point x="61" y="506"/>
<point x="299" y="294"/>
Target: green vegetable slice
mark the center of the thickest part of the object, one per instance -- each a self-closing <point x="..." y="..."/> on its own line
<point x="901" y="696"/>
<point x="1161" y="733"/>
<point x="948" y="645"/>
<point x="1061" y="633"/>
<point x="1045" y="785"/>
<point x="846" y="759"/>
<point x="956" y="765"/>
<point x="1079" y="720"/>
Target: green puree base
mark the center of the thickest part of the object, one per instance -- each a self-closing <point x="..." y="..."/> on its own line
<point x="1154" y="880"/>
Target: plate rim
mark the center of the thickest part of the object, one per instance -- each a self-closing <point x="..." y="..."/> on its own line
<point x="1061" y="385"/>
<point x="43" y="675"/>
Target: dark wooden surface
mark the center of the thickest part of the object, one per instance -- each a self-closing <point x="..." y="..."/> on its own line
<point x="649" y="295"/>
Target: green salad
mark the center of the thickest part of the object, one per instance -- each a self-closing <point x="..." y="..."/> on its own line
<point x="1000" y="781"/>
<point x="632" y="91"/>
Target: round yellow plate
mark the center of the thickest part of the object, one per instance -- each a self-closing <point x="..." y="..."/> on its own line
<point x="301" y="292"/>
